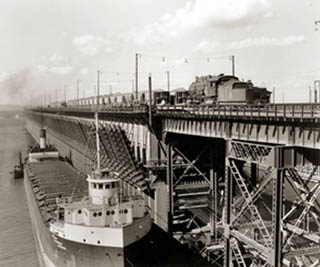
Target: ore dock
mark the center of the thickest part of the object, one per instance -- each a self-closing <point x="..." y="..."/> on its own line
<point x="239" y="185"/>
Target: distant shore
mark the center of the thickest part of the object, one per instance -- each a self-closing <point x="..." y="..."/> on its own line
<point x="11" y="108"/>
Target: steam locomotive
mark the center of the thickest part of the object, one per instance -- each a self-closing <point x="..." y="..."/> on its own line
<point x="227" y="89"/>
<point x="206" y="90"/>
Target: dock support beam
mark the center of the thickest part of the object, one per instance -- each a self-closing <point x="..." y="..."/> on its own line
<point x="227" y="216"/>
<point x="277" y="217"/>
<point x="170" y="188"/>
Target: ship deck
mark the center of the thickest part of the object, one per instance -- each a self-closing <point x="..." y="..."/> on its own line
<point x="54" y="178"/>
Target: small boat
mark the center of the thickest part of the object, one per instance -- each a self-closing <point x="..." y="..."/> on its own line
<point x="18" y="169"/>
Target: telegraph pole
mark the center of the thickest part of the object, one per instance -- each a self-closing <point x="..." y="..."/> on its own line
<point x="56" y="96"/>
<point x="233" y="65"/>
<point x="316" y="83"/>
<point x="98" y="86"/>
<point x="310" y="96"/>
<point x="132" y="83"/>
<point x="274" y="95"/>
<point x="78" y="91"/>
<point x="136" y="72"/>
<point x="65" y="93"/>
<point x="168" y="80"/>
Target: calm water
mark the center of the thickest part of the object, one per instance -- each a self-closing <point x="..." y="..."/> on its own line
<point x="17" y="247"/>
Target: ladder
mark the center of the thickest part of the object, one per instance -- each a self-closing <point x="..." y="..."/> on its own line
<point x="237" y="252"/>
<point x="266" y="180"/>
<point x="253" y="209"/>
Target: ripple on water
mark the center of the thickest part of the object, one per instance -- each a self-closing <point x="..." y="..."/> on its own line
<point x="17" y="247"/>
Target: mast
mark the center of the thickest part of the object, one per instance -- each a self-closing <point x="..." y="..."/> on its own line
<point x="97" y="121"/>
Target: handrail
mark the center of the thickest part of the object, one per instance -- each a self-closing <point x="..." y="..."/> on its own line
<point x="285" y="111"/>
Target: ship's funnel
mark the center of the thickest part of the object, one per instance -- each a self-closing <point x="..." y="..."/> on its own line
<point x="42" y="138"/>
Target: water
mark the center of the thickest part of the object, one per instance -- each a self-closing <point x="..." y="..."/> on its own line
<point x="17" y="246"/>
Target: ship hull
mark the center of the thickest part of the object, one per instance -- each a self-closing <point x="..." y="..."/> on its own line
<point x="54" y="251"/>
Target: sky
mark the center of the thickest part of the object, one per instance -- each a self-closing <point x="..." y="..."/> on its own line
<point x="47" y="45"/>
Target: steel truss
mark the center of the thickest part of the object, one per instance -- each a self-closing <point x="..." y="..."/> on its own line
<point x="270" y="209"/>
<point x="193" y="200"/>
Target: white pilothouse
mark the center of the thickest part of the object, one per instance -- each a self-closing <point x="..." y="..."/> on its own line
<point x="104" y="217"/>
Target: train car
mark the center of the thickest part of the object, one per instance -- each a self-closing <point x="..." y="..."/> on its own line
<point x="205" y="90"/>
<point x="161" y="97"/>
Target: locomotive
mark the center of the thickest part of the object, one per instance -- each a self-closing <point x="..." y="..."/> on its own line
<point x="205" y="90"/>
<point x="227" y="89"/>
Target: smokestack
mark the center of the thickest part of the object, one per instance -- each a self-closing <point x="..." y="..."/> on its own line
<point x="42" y="138"/>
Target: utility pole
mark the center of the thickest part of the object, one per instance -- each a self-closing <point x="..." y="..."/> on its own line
<point x="98" y="86"/>
<point x="65" y="93"/>
<point x="274" y="95"/>
<point x="316" y="84"/>
<point x="78" y="91"/>
<point x="310" y="94"/>
<point x="56" y="97"/>
<point x="168" y="80"/>
<point x="233" y="65"/>
<point x="136" y="72"/>
<point x="132" y="84"/>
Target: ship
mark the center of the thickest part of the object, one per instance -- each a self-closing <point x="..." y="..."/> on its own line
<point x="17" y="172"/>
<point x="78" y="221"/>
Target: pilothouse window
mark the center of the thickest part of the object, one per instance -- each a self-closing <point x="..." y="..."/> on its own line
<point x="100" y="186"/>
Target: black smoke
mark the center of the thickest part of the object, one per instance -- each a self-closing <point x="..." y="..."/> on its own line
<point x="14" y="86"/>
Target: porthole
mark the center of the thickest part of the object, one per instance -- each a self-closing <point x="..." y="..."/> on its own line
<point x="100" y="213"/>
<point x="84" y="240"/>
<point x="79" y="211"/>
<point x="108" y="212"/>
<point x="112" y="212"/>
<point x="125" y="211"/>
<point x="94" y="214"/>
<point x="98" y="242"/>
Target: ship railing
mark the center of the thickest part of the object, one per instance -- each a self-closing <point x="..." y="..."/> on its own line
<point x="129" y="198"/>
<point x="61" y="201"/>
